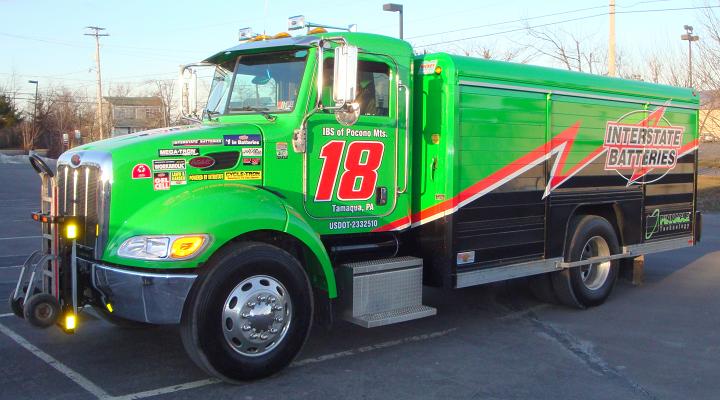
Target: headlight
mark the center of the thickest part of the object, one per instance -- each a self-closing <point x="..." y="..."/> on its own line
<point x="171" y="247"/>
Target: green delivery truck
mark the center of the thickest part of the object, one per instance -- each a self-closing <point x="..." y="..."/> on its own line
<point x="334" y="174"/>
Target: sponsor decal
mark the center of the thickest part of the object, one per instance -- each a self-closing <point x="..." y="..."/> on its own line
<point x="242" y="140"/>
<point x="141" y="171"/>
<point x="205" y="177"/>
<point x="196" y="142"/>
<point x="428" y="67"/>
<point x="242" y="175"/>
<point x="188" y="152"/>
<point x="251" y="161"/>
<point x="168" y="165"/>
<point x="202" y="162"/>
<point x="466" y="257"/>
<point x="177" y="178"/>
<point x="161" y="181"/>
<point x="666" y="222"/>
<point x="252" y="152"/>
<point x="281" y="150"/>
<point x="633" y="150"/>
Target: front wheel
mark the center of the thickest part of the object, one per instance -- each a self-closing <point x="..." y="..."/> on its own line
<point x="249" y="315"/>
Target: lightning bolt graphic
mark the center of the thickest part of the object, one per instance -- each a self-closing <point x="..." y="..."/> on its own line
<point x="651" y="120"/>
<point x="561" y="145"/>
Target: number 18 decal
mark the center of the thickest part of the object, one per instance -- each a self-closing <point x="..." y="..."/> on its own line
<point x="359" y="176"/>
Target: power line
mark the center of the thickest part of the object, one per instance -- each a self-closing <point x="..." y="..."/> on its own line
<point x="532" y="18"/>
<point x="564" y="21"/>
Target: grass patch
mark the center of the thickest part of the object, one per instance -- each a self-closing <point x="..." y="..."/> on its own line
<point x="709" y="193"/>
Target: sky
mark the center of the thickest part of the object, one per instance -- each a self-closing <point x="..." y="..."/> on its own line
<point x="44" y="40"/>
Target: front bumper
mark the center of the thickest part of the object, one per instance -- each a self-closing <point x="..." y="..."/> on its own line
<point x="143" y="296"/>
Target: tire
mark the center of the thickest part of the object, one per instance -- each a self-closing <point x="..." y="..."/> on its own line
<point x="16" y="306"/>
<point x="42" y="310"/>
<point x="589" y="285"/>
<point x="249" y="314"/>
<point x="120" y="322"/>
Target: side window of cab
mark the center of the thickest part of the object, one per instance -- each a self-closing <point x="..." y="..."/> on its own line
<point x="373" y="87"/>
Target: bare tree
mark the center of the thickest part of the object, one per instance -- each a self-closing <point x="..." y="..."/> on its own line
<point x="165" y="89"/>
<point x="567" y="49"/>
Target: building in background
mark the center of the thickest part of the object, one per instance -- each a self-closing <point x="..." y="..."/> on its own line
<point x="133" y="114"/>
<point x="709" y="116"/>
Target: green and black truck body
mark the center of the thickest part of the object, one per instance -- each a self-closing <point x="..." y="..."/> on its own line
<point x="335" y="174"/>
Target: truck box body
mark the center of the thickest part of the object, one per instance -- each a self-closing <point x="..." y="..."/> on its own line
<point x="521" y="147"/>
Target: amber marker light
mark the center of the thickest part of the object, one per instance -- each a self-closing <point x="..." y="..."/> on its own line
<point x="438" y="70"/>
<point x="186" y="246"/>
<point x="71" y="231"/>
<point x="70" y="322"/>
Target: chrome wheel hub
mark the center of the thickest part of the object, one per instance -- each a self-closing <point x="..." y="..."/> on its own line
<point x="256" y="315"/>
<point x="594" y="275"/>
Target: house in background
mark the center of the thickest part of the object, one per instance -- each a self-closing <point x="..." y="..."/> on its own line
<point x="133" y="114"/>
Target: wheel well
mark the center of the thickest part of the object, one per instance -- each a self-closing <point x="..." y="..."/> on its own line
<point x="292" y="245"/>
<point x="610" y="211"/>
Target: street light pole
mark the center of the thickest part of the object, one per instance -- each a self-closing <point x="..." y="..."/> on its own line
<point x="690" y="38"/>
<point x="35" y="105"/>
<point x="392" y="7"/>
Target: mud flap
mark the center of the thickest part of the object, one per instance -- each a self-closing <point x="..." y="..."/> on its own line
<point x="563" y="289"/>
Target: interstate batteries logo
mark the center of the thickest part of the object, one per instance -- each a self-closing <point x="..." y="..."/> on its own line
<point x="633" y="150"/>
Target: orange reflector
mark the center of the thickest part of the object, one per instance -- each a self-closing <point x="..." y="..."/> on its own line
<point x="44" y="218"/>
<point x="317" y="30"/>
<point x="35" y="217"/>
<point x="281" y="35"/>
<point x="186" y="246"/>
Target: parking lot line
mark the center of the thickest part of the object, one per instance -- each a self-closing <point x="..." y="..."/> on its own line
<point x="11" y="266"/>
<point x="103" y="395"/>
<point x="166" y="390"/>
<point x="20" y="237"/>
<point x="365" y="349"/>
<point x="57" y="365"/>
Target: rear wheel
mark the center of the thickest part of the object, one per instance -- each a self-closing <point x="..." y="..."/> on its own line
<point x="41" y="310"/>
<point x="249" y="315"/>
<point x="16" y="305"/>
<point x="588" y="285"/>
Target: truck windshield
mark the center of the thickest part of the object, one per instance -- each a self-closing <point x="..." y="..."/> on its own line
<point x="263" y="83"/>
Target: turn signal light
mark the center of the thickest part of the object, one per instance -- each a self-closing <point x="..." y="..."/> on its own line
<point x="186" y="246"/>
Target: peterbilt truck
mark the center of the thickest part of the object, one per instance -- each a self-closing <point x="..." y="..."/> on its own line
<point x="333" y="175"/>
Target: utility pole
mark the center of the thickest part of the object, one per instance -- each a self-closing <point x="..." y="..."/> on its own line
<point x="611" y="41"/>
<point x="34" y="124"/>
<point x="96" y="32"/>
<point x="690" y="38"/>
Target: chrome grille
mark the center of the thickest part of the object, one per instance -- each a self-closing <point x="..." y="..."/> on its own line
<point x="77" y="190"/>
<point x="83" y="191"/>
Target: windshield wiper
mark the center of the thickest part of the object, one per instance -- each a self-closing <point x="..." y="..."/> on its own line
<point x="262" y="110"/>
<point x="212" y="114"/>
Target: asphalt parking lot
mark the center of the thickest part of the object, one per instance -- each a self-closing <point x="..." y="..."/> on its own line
<point x="656" y="341"/>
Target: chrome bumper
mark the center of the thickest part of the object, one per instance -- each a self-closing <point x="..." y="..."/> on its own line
<point x="139" y="296"/>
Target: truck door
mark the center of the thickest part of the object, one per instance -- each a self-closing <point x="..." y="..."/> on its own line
<point x="352" y="171"/>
